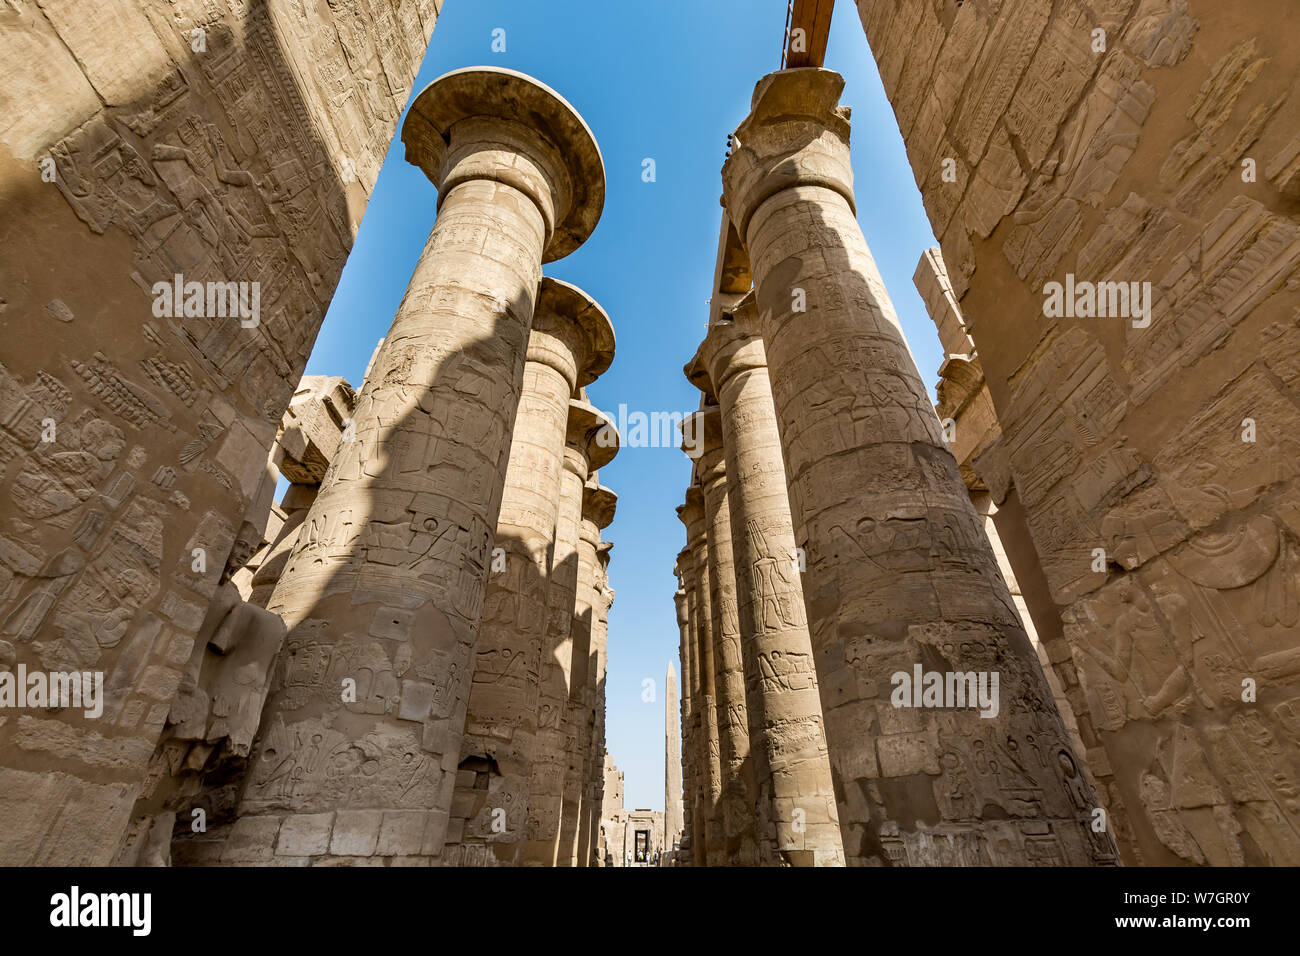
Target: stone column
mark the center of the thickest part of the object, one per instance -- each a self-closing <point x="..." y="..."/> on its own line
<point x="785" y="712"/>
<point x="900" y="580"/>
<point x="682" y="601"/>
<point x="384" y="591"/>
<point x="965" y="406"/>
<point x="710" y="848"/>
<point x="602" y="602"/>
<point x="739" y="775"/>
<point x="571" y="343"/>
<point x="590" y="442"/>
<point x="673" y="821"/>
<point x="598" y="504"/>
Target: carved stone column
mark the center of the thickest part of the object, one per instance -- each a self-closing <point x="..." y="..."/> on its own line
<point x="785" y="712"/>
<point x="710" y="849"/>
<point x="384" y="591"/>
<point x="598" y="504"/>
<point x="602" y="601"/>
<point x="900" y="580"/>
<point x="685" y="653"/>
<point x="590" y="442"/>
<point x="739" y="775"/>
<point x="572" y="342"/>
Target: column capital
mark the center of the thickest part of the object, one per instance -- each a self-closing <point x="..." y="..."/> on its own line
<point x="691" y="514"/>
<point x="734" y="343"/>
<point x="598" y="506"/>
<point x="683" y="564"/>
<point x="571" y="333"/>
<point x="591" y="440"/>
<point x="501" y="125"/>
<point x="702" y="434"/>
<point x="698" y="374"/>
<point x="794" y="135"/>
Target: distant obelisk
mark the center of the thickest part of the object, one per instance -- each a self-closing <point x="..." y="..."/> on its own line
<point x="672" y="764"/>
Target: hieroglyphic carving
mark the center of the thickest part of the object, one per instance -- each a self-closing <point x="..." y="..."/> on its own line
<point x="1169" y="446"/>
<point x="388" y="576"/>
<point x="899" y="571"/>
<point x="225" y="163"/>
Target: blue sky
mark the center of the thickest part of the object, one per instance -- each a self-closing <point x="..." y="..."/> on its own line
<point x="666" y="81"/>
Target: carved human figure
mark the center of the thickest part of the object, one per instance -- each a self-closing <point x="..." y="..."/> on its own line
<point x="571" y="343"/>
<point x="401" y="531"/>
<point x="872" y="484"/>
<point x="746" y="820"/>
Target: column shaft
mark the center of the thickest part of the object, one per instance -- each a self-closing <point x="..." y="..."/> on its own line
<point x="580" y="706"/>
<point x="570" y="343"/>
<point x="384" y="590"/>
<point x="547" y="788"/>
<point x="900" y="578"/>
<point x="741" y="828"/>
<point x="595" y="770"/>
<point x="785" y="715"/>
<point x="711" y="849"/>
<point x="699" y="729"/>
<point x="687" y="714"/>
<point x="501" y="724"/>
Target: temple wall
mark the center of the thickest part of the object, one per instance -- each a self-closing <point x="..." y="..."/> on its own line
<point x="141" y="140"/>
<point x="1153" y="455"/>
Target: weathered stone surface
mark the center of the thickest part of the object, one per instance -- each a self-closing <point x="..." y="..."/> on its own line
<point x="710" y="837"/>
<point x="1161" y="518"/>
<point x="598" y="504"/>
<point x="780" y="679"/>
<point x="745" y="821"/>
<point x="900" y="579"/>
<point x="590" y="442"/>
<point x="692" y="812"/>
<point x="571" y="342"/>
<point x="593" y="809"/>
<point x="383" y="594"/>
<point x="673" y="823"/>
<point x="971" y="430"/>
<point x="630" y="837"/>
<point x="131" y="154"/>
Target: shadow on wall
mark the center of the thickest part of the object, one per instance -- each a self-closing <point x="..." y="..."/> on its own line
<point x="382" y="590"/>
<point x="159" y="422"/>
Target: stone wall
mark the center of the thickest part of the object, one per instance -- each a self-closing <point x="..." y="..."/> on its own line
<point x="142" y="140"/>
<point x="971" y="426"/>
<point x="1152" y="454"/>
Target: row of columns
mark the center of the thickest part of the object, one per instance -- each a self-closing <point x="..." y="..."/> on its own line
<point x="434" y="693"/>
<point x="831" y="546"/>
